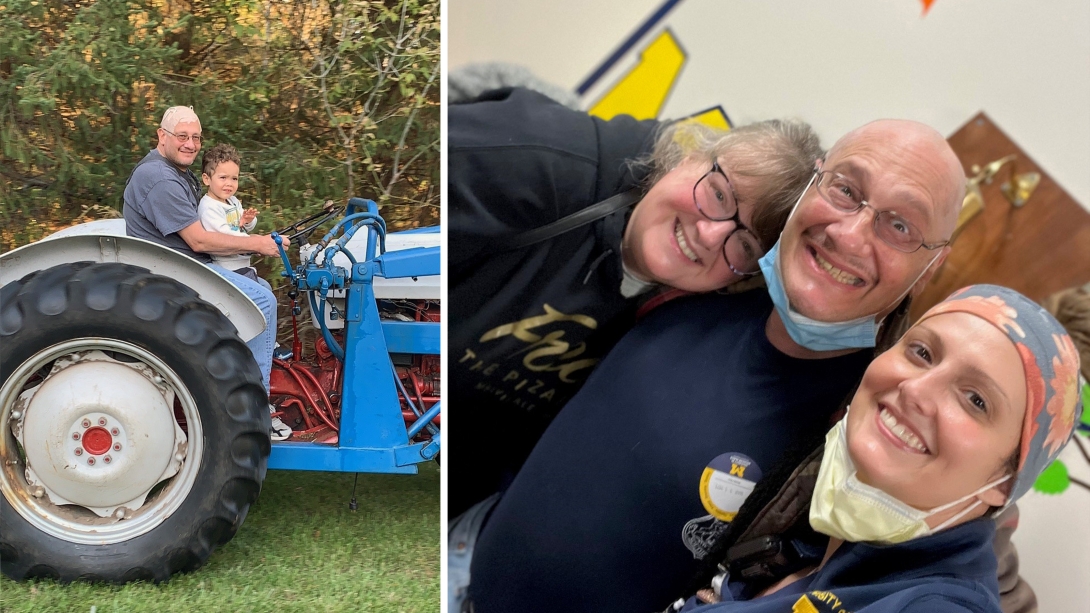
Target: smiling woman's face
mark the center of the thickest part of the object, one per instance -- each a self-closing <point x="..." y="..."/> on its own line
<point x="937" y="416"/>
<point x="669" y="241"/>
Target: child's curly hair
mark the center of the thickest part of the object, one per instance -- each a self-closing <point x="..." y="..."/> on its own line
<point x="217" y="155"/>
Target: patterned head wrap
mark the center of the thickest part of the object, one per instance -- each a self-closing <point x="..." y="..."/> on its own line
<point x="1051" y="364"/>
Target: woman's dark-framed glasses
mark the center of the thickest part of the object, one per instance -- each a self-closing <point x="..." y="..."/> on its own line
<point x="892" y="228"/>
<point x="715" y="199"/>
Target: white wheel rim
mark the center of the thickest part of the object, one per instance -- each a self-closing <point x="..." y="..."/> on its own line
<point x="73" y="523"/>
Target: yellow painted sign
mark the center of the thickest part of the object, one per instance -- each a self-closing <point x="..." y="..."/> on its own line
<point x="643" y="90"/>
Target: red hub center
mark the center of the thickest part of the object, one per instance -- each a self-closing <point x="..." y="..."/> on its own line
<point x="97" y="441"/>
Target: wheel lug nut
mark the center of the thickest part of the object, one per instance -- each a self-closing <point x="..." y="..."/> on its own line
<point x="115" y="431"/>
<point x="75" y="436"/>
<point x="107" y="459"/>
<point x="120" y="514"/>
<point x="90" y="461"/>
<point x="86" y="423"/>
<point x="102" y="421"/>
<point x="117" y="446"/>
<point x="16" y="414"/>
<point x="39" y="492"/>
<point x="78" y="451"/>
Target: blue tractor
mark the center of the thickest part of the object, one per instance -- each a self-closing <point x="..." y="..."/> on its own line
<point x="134" y="425"/>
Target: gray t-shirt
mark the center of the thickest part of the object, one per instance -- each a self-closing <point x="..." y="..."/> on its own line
<point x="160" y="200"/>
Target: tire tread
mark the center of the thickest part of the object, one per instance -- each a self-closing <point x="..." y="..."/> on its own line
<point x="48" y="302"/>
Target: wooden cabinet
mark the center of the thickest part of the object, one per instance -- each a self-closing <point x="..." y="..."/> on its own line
<point x="1037" y="249"/>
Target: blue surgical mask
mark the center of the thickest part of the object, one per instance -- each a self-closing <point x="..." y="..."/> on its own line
<point x="812" y="334"/>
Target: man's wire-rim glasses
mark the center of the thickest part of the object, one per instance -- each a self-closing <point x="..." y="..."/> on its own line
<point x="894" y="230"/>
<point x="184" y="138"/>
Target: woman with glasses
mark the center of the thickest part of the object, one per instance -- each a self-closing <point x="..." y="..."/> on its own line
<point x="894" y="512"/>
<point x="561" y="226"/>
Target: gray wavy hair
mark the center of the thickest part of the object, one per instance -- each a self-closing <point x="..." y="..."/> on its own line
<point x="779" y="152"/>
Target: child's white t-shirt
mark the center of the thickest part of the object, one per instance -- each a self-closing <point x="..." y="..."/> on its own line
<point x="226" y="218"/>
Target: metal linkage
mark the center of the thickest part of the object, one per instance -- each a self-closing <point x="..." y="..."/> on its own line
<point x="367" y="424"/>
<point x="293" y="232"/>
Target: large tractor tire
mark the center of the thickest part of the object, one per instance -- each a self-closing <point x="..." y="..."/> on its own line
<point x="134" y="427"/>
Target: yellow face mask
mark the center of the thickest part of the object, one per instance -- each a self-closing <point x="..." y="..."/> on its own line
<point x="846" y="508"/>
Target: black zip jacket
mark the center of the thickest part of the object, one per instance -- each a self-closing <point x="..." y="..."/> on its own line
<point x="528" y="325"/>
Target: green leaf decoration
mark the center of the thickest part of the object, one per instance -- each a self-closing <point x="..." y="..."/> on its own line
<point x="1053" y="480"/>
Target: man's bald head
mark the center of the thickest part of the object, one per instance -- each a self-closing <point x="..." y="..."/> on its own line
<point x="923" y="151"/>
<point x="176" y="115"/>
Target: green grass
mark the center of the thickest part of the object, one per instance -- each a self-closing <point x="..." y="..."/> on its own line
<point x="301" y="549"/>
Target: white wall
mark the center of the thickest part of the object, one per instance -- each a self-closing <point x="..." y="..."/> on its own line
<point x="1053" y="540"/>
<point x="835" y="64"/>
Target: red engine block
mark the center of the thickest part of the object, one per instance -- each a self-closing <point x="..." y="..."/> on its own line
<point x="306" y="392"/>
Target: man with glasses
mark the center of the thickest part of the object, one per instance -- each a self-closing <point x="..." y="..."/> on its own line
<point x="161" y="199"/>
<point x="867" y="234"/>
<point x="641" y="473"/>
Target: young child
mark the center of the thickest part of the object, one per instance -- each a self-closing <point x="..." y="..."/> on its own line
<point x="220" y="210"/>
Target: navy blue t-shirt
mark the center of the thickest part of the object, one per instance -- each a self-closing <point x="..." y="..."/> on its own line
<point x="594" y="520"/>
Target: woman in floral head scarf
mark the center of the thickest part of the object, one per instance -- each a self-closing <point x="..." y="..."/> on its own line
<point x="947" y="428"/>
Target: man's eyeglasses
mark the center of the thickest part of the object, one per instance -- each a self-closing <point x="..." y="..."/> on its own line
<point x="894" y="230"/>
<point x="184" y="138"/>
<point x="715" y="199"/>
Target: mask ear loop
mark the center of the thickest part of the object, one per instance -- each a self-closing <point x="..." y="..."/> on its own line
<point x="909" y="290"/>
<point x="801" y="196"/>
<point x="722" y="291"/>
<point x="966" y="510"/>
<point x="789" y="216"/>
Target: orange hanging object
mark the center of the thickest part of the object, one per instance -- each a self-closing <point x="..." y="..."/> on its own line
<point x="926" y="5"/>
